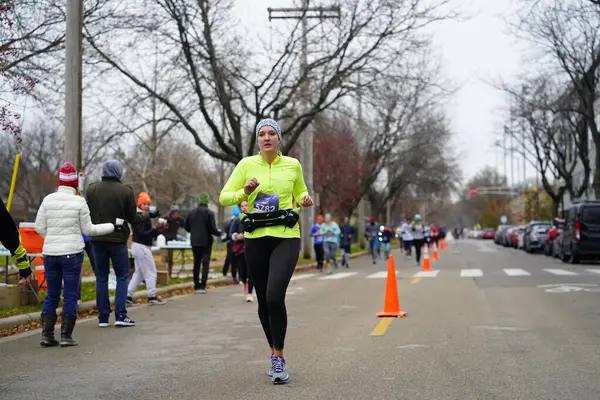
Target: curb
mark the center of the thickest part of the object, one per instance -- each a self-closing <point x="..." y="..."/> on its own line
<point x="23" y="319"/>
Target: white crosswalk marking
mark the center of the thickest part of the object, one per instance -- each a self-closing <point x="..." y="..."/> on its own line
<point x="379" y="275"/>
<point x="593" y="270"/>
<point x="470" y="273"/>
<point x="516" y="272"/>
<point x="302" y="276"/>
<point x="560" y="271"/>
<point x="427" y="274"/>
<point x="339" y="275"/>
<point x="464" y="273"/>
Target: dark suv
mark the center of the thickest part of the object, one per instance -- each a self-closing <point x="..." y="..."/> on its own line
<point x="581" y="235"/>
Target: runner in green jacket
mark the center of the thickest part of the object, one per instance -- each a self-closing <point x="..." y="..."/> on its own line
<point x="272" y="184"/>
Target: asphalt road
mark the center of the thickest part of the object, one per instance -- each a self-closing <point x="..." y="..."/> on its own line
<point x="467" y="336"/>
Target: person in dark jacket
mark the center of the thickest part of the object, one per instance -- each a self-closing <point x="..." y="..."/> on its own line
<point x="201" y="225"/>
<point x="238" y="249"/>
<point x="174" y="222"/>
<point x="347" y="232"/>
<point x="145" y="268"/>
<point x="111" y="201"/>
<point x="10" y="238"/>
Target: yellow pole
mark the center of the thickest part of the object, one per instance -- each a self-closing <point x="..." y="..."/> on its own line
<point x="14" y="181"/>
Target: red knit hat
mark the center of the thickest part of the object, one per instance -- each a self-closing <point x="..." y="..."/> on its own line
<point x="68" y="176"/>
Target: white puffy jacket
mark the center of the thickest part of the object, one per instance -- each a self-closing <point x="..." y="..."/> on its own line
<point x="62" y="218"/>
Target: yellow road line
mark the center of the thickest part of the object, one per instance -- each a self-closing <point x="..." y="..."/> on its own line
<point x="382" y="326"/>
<point x="415" y="281"/>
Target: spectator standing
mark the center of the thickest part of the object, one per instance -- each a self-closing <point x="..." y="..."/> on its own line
<point x="145" y="268"/>
<point x="110" y="201"/>
<point x="61" y="219"/>
<point x="201" y="225"/>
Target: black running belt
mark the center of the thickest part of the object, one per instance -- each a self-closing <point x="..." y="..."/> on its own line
<point x="287" y="218"/>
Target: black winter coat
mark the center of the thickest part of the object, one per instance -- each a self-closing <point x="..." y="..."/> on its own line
<point x="200" y="223"/>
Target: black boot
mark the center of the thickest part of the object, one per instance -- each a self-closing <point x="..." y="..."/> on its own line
<point x="48" y="322"/>
<point x="66" y="330"/>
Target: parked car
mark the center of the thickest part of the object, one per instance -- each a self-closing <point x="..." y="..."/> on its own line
<point x="521" y="245"/>
<point x="488" y="233"/>
<point x="581" y="234"/>
<point x="551" y="236"/>
<point x="516" y="236"/>
<point x="499" y="232"/>
<point x="535" y="235"/>
<point x="507" y="238"/>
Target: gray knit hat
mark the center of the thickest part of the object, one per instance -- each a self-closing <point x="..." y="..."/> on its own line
<point x="269" y="122"/>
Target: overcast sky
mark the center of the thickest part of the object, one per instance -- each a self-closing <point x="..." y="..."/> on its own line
<point x="475" y="51"/>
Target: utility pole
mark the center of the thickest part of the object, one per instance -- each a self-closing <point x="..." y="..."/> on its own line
<point x="73" y="84"/>
<point x="361" y="137"/>
<point x="305" y="141"/>
<point x="512" y="160"/>
<point x="505" y="150"/>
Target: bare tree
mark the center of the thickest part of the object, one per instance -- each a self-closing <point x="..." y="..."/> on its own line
<point x="551" y="136"/>
<point x="394" y="111"/>
<point x="568" y="31"/>
<point x="177" y="173"/>
<point x="423" y="167"/>
<point x="32" y="36"/>
<point x="217" y="73"/>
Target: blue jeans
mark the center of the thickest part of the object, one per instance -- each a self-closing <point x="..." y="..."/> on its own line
<point x="90" y="253"/>
<point x="57" y="269"/>
<point x="103" y="254"/>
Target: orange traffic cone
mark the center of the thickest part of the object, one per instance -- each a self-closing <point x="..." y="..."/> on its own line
<point x="391" y="305"/>
<point x="426" y="263"/>
<point x="436" y="256"/>
<point x="441" y="245"/>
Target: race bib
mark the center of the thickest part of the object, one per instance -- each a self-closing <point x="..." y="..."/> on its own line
<point x="265" y="203"/>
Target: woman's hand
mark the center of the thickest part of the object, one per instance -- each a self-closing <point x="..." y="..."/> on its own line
<point x="306" y="201"/>
<point x="240" y="236"/>
<point x="250" y="186"/>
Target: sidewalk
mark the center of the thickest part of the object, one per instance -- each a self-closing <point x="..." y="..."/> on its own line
<point x="14" y="321"/>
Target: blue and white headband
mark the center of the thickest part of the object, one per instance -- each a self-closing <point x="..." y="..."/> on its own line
<point x="269" y="122"/>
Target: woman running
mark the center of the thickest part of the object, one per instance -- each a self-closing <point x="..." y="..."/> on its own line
<point x="270" y="182"/>
<point x="331" y="233"/>
<point x="238" y="249"/>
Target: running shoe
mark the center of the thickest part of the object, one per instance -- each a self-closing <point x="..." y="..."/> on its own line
<point x="280" y="371"/>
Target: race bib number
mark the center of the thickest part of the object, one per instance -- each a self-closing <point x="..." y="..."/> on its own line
<point x="265" y="203"/>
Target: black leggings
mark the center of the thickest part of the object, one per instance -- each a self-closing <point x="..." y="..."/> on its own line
<point x="320" y="254"/>
<point x="271" y="263"/>
<point x="418" y="246"/>
<point x="239" y="263"/>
